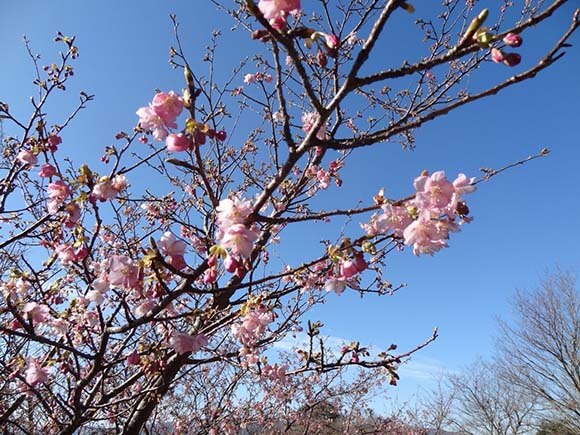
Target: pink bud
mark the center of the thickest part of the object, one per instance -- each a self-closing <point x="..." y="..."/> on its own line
<point x="133" y="359"/>
<point x="177" y="142"/>
<point x="497" y="55"/>
<point x="231" y="264"/>
<point x="199" y="137"/>
<point x="53" y="142"/>
<point x="513" y="40"/>
<point x="221" y="135"/>
<point x="511" y="59"/>
<point x="210" y="276"/>
<point x="360" y="263"/>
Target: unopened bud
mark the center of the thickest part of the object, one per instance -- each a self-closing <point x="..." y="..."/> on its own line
<point x="513" y="40"/>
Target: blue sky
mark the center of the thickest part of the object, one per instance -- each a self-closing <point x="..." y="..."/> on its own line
<point x="526" y="221"/>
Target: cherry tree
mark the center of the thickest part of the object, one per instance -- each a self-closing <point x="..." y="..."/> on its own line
<point x="155" y="307"/>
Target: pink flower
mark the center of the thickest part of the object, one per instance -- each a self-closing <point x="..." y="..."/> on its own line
<point x="123" y="273"/>
<point x="336" y="285"/>
<point x="167" y="106"/>
<point x="272" y="9"/>
<point x="47" y="171"/>
<point x="145" y="308"/>
<point x="434" y="192"/>
<point x="171" y="245"/>
<point x="239" y="240"/>
<point x="149" y="120"/>
<point x="350" y="268"/>
<point x="65" y="253"/>
<point x="308" y="121"/>
<point x="513" y="40"/>
<point x="249" y="79"/>
<point x="396" y="218"/>
<point x="35" y="312"/>
<point x="174" y="249"/>
<point x="428" y="235"/>
<point x="107" y="189"/>
<point x="184" y="343"/>
<point x="177" y="143"/>
<point x="35" y="374"/>
<point x="231" y="264"/>
<point x="464" y="185"/>
<point x="57" y="191"/>
<point x="27" y="157"/>
<point x="53" y="142"/>
<point x="232" y="211"/>
<point x="73" y="214"/>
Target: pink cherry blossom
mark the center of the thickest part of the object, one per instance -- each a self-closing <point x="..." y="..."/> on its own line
<point x="168" y="106"/>
<point x="233" y="211"/>
<point x="272" y="9"/>
<point x="47" y="171"/>
<point x="350" y="268"/>
<point x="177" y="143"/>
<point x="184" y="343"/>
<point x="65" y="253"/>
<point x="123" y="272"/>
<point x="107" y="188"/>
<point x="434" y="192"/>
<point x="58" y="190"/>
<point x="171" y="245"/>
<point x="308" y="121"/>
<point x="464" y="185"/>
<point x="249" y="79"/>
<point x="149" y="120"/>
<point x="37" y="313"/>
<point x="336" y="285"/>
<point x="397" y="218"/>
<point x="27" y="157"/>
<point x="428" y="235"/>
<point x="53" y="142"/>
<point x="239" y="240"/>
<point x="173" y="249"/>
<point x="35" y="374"/>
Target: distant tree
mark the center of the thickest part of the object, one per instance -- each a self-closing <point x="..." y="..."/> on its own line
<point x="485" y="404"/>
<point x="540" y="350"/>
<point x="554" y="428"/>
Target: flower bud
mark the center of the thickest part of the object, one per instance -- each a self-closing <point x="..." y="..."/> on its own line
<point x="177" y="142"/>
<point x="511" y="59"/>
<point x="513" y="40"/>
<point x="496" y="55"/>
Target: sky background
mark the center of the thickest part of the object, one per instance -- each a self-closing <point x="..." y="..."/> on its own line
<point x="526" y="220"/>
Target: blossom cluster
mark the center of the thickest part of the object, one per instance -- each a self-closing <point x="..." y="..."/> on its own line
<point x="185" y="343"/>
<point x="251" y="328"/>
<point x="508" y="58"/>
<point x="161" y="114"/>
<point x="234" y="235"/>
<point x="425" y="221"/>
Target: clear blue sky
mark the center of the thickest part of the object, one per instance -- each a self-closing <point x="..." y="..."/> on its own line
<point x="525" y="221"/>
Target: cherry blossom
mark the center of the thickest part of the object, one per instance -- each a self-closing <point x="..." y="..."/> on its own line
<point x="27" y="157"/>
<point x="35" y="373"/>
<point x="185" y="343"/>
